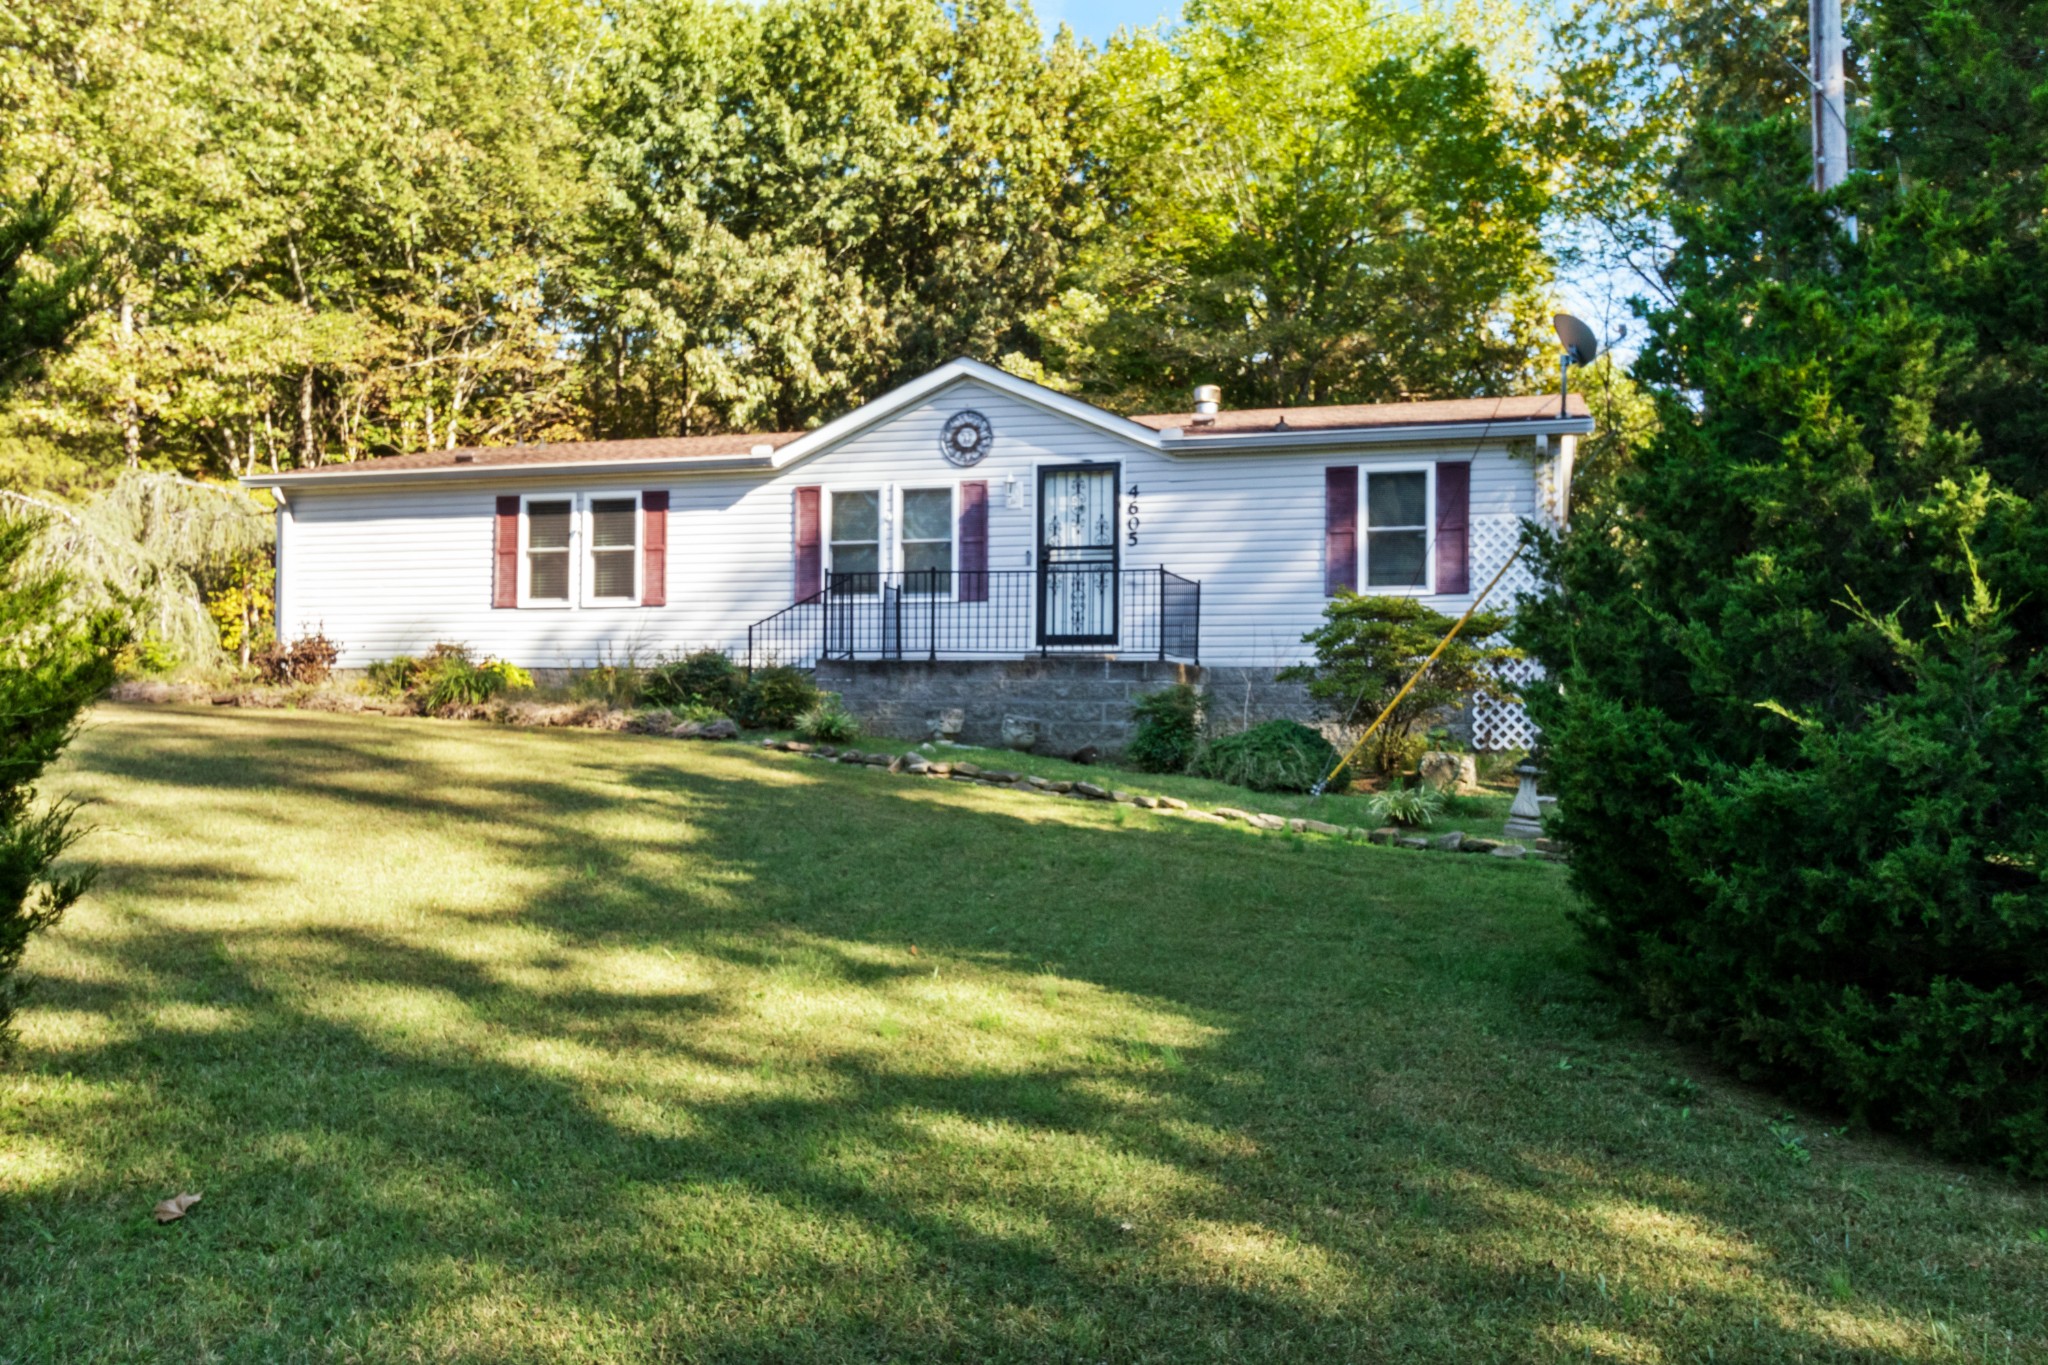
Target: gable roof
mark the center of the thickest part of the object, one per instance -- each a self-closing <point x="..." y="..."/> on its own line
<point x="1243" y="429"/>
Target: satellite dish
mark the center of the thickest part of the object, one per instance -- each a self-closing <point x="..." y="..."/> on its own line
<point x="1580" y="345"/>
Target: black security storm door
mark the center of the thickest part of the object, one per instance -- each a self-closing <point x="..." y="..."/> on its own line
<point x="1077" y="554"/>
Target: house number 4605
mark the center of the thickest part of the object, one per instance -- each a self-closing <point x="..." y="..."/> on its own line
<point x="1131" y="515"/>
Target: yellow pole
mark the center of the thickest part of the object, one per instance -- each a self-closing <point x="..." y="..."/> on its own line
<point x="1441" y="645"/>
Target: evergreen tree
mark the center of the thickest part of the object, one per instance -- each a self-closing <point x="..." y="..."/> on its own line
<point x="1796" y="711"/>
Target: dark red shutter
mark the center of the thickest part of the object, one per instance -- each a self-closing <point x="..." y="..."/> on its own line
<point x="974" y="542"/>
<point x="654" y="548"/>
<point x="505" y="554"/>
<point x="1454" y="527"/>
<point x="1340" y="529"/>
<point x="810" y="553"/>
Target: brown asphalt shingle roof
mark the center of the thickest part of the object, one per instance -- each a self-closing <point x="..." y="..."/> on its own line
<point x="573" y="452"/>
<point x="1240" y="421"/>
<point x="1351" y="416"/>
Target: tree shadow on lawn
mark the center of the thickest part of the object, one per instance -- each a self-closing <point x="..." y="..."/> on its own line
<point x="681" y="1087"/>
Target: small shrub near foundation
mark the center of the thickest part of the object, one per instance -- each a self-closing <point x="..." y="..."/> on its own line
<point x="828" y="722"/>
<point x="305" y="662"/>
<point x="1278" y="756"/>
<point x="773" y="699"/>
<point x="1169" y="731"/>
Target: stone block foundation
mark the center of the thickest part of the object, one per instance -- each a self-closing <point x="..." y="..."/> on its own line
<point x="1051" y="705"/>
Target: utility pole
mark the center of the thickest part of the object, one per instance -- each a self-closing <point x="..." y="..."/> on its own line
<point x="1830" y="96"/>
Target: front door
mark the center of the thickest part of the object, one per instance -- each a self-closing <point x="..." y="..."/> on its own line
<point x="1077" y="554"/>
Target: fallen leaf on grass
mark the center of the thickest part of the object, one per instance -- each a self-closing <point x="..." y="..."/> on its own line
<point x="172" y="1209"/>
<point x="913" y="950"/>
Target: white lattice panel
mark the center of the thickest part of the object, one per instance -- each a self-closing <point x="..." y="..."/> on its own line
<point x="1497" y="722"/>
<point x="1494" y="539"/>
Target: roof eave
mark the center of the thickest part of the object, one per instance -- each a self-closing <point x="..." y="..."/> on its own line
<point x="1176" y="440"/>
<point x="344" y="476"/>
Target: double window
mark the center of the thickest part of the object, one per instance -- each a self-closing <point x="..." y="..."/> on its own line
<point x="1396" y="532"/>
<point x="591" y="544"/>
<point x="922" y="535"/>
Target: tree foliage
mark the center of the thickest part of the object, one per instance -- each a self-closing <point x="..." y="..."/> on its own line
<point x="1796" y="717"/>
<point x="54" y="659"/>
<point x="346" y="228"/>
<point x="1307" y="203"/>
<point x="1369" y="647"/>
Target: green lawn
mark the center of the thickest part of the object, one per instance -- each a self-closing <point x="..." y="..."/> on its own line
<point x="492" y="1045"/>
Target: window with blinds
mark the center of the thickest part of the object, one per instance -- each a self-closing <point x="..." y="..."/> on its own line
<point x="547" y="551"/>
<point x="614" y="549"/>
<point x="856" y="542"/>
<point x="928" y="540"/>
<point x="1397" y="530"/>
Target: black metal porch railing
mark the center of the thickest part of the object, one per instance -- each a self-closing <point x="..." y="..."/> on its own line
<point x="1005" y="613"/>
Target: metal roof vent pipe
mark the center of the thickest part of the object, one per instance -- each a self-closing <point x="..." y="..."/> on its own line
<point x="1208" y="398"/>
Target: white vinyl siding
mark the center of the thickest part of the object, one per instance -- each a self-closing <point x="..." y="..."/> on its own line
<point x="393" y="570"/>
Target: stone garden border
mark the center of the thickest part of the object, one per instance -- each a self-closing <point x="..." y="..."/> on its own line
<point x="915" y="764"/>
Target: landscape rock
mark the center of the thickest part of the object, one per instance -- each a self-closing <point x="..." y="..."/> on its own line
<point x="1298" y="825"/>
<point x="1061" y="788"/>
<point x="938" y="769"/>
<point x="1510" y="851"/>
<point x="1549" y="845"/>
<point x="1145" y="802"/>
<point x="1122" y="798"/>
<point x="1091" y="791"/>
<point x="1479" y="846"/>
<point x="1172" y="803"/>
<point x="1203" y="815"/>
<point x="1319" y="827"/>
<point x="966" y="770"/>
<point x="1020" y="732"/>
<point x="1268" y="822"/>
<point x="1411" y="841"/>
<point x="707" y="729"/>
<point x="879" y="760"/>
<point x="1232" y="813"/>
<point x="947" y="725"/>
<point x="1448" y="772"/>
<point x="1039" y="782"/>
<point x="825" y="751"/>
<point x="1447" y="843"/>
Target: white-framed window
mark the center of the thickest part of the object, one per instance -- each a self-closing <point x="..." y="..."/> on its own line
<point x="1393" y="542"/>
<point x="612" y="541"/>
<point x="546" y="551"/>
<point x="854" y="539"/>
<point x="926" y="541"/>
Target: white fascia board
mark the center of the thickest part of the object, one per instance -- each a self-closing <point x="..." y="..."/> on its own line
<point x="917" y="390"/>
<point x="341" y="476"/>
<point x="1177" y="443"/>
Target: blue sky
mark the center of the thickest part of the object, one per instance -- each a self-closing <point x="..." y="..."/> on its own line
<point x="1097" y="19"/>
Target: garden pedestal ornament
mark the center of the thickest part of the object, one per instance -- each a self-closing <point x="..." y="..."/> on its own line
<point x="1525" y="817"/>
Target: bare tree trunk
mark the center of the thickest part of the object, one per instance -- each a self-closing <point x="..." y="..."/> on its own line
<point x="309" y="437"/>
<point x="131" y="412"/>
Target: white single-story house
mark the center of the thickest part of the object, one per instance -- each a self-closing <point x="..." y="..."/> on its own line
<point x="968" y="514"/>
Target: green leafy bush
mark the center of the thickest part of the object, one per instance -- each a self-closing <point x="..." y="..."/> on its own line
<point x="1169" y="730"/>
<point x="1278" y="756"/>
<point x="774" y="697"/>
<point x="706" y="676"/>
<point x="1417" y="807"/>
<point x="1368" y="647"/>
<point x="828" y="722"/>
<point x="394" y="677"/>
<point x="450" y="678"/>
<point x="620" y="686"/>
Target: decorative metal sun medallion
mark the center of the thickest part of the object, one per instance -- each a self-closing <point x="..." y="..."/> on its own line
<point x="966" y="438"/>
